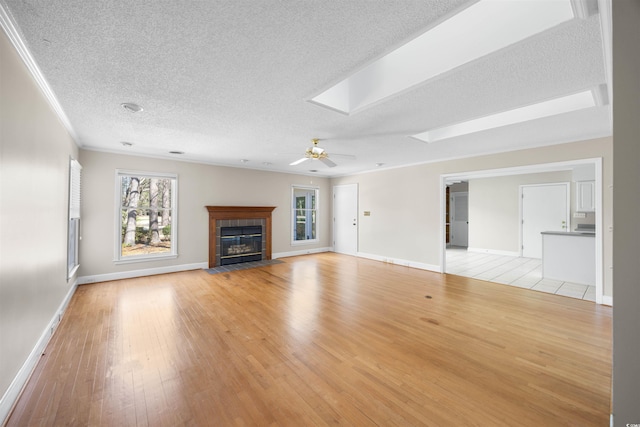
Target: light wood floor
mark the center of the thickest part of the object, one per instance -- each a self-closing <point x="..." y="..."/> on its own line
<point x="322" y="339"/>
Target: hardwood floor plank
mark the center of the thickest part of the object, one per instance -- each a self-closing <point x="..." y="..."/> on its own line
<point x="324" y="339"/>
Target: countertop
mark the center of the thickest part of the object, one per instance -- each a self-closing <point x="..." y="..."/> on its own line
<point x="570" y="233"/>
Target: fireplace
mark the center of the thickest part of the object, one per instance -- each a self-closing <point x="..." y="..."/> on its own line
<point x="240" y="244"/>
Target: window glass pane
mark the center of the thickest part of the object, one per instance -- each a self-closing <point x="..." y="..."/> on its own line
<point x="146" y="215"/>
<point x="72" y="247"/>
<point x="304" y="213"/>
<point x="300" y="229"/>
<point x="164" y="190"/>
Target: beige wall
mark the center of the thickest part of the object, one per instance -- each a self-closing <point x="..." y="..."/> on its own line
<point x="405" y="202"/>
<point x="34" y="167"/>
<point x="494" y="209"/>
<point x="199" y="185"/>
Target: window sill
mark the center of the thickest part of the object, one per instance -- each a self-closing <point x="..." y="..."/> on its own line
<point x="304" y="242"/>
<point x="144" y="258"/>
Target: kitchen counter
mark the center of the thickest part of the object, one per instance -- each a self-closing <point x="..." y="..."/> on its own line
<point x="571" y="233"/>
<point x="569" y="256"/>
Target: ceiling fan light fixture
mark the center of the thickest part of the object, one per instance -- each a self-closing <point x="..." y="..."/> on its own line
<point x="315" y="153"/>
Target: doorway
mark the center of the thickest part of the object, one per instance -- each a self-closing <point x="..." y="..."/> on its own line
<point x="459" y="219"/>
<point x="345" y="219"/>
<point x="446" y="180"/>
<point x="544" y="207"/>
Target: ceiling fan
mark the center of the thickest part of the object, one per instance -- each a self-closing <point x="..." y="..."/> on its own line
<point x="317" y="153"/>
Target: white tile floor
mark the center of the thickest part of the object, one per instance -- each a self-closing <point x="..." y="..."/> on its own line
<point x="514" y="271"/>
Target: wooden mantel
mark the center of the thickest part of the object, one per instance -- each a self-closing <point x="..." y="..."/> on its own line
<point x="238" y="212"/>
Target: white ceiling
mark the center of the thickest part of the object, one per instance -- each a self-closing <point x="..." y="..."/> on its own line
<point x="225" y="80"/>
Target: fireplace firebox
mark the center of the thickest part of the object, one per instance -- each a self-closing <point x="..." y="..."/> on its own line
<point x="240" y="244"/>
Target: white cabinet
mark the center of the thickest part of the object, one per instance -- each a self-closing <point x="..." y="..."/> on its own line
<point x="585" y="196"/>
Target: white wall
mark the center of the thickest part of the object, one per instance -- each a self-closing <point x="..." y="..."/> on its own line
<point x="34" y="167"/>
<point x="494" y="209"/>
<point x="405" y="202"/>
<point x="199" y="185"/>
<point x="626" y="264"/>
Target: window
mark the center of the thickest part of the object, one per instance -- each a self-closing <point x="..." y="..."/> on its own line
<point x="146" y="217"/>
<point x="73" y="238"/>
<point x="304" y="214"/>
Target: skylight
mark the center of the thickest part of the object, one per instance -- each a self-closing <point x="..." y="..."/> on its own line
<point x="552" y="107"/>
<point x="480" y="29"/>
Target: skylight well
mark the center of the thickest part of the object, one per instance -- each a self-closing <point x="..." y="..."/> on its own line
<point x="480" y="29"/>
<point x="549" y="108"/>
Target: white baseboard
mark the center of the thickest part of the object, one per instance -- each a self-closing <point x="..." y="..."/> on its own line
<point x="493" y="252"/>
<point x="23" y="375"/>
<point x="83" y="280"/>
<point x="607" y="300"/>
<point x="301" y="252"/>
<point x="404" y="262"/>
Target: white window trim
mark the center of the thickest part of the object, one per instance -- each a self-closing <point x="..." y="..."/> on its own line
<point x="292" y="210"/>
<point x="75" y="198"/>
<point x="117" y="258"/>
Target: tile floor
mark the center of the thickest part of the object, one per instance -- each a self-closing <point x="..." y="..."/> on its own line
<point x="514" y="271"/>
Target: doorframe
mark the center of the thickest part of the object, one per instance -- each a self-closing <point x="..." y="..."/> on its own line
<point x="527" y="169"/>
<point x="333" y="216"/>
<point x="520" y="211"/>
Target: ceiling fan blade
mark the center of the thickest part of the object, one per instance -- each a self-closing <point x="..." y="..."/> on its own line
<point x="297" y="162"/>
<point x="328" y="162"/>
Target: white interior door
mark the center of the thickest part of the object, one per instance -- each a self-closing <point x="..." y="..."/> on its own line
<point x="459" y="219"/>
<point x="544" y="208"/>
<point x="345" y="219"/>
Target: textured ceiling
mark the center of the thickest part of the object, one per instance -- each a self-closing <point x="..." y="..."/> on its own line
<point x="228" y="80"/>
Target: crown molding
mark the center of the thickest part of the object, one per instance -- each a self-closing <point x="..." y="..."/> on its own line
<point x="11" y="30"/>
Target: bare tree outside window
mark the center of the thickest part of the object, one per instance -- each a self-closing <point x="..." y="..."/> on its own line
<point x="131" y="202"/>
<point x="153" y="212"/>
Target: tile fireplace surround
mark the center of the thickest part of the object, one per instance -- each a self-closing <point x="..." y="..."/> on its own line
<point x="217" y="214"/>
